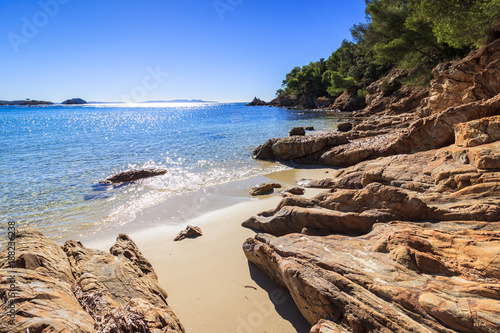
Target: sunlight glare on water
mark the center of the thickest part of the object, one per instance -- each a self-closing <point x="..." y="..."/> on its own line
<point x="53" y="157"/>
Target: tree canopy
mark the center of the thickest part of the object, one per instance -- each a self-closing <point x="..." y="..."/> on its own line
<point x="412" y="34"/>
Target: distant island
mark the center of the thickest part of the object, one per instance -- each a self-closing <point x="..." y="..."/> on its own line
<point x="78" y="101"/>
<point x="74" y="101"/>
<point x="29" y="102"/>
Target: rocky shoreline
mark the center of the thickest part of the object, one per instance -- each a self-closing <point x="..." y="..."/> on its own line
<point x="75" y="289"/>
<point x="407" y="236"/>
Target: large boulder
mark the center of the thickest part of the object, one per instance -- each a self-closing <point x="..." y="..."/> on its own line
<point x="297" y="131"/>
<point x="293" y="147"/>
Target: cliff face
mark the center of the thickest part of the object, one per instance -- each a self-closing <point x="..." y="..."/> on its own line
<point x="407" y="236"/>
<point x="74" y="289"/>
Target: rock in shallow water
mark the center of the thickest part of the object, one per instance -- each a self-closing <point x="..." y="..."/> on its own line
<point x="134" y="174"/>
<point x="297" y="131"/>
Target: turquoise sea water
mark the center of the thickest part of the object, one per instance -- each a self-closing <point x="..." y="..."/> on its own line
<point x="53" y="157"/>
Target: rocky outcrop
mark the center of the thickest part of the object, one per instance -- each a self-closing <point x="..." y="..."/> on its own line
<point x="264" y="189"/>
<point x="336" y="150"/>
<point x="134" y="174"/>
<point x="285" y="101"/>
<point x="348" y="102"/>
<point x="341" y="211"/>
<point x="401" y="277"/>
<point x="189" y="232"/>
<point x="256" y="102"/>
<point x="290" y="148"/>
<point x="474" y="78"/>
<point x="410" y="119"/>
<point x="74" y="101"/>
<point x="403" y="243"/>
<point x="407" y="238"/>
<point x="477" y="132"/>
<point x="323" y="102"/>
<point x="75" y="289"/>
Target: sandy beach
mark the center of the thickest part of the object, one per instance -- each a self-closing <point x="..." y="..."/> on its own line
<point x="211" y="285"/>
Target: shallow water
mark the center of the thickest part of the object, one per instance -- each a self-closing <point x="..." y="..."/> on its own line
<point x="53" y="157"/>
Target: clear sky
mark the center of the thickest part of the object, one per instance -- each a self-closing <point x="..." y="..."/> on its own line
<point x="136" y="50"/>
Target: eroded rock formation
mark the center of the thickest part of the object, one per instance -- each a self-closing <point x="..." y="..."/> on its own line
<point x="408" y="120"/>
<point x="401" y="277"/>
<point x="74" y="289"/>
<point x="407" y="236"/>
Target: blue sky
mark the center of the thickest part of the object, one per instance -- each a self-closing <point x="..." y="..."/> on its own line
<point x="132" y="50"/>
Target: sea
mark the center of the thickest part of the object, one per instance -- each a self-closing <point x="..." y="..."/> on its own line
<point x="52" y="158"/>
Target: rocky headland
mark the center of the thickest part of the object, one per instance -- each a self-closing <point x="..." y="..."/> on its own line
<point x="406" y="235"/>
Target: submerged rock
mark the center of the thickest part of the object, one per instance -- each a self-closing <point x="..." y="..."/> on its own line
<point x="189" y="232"/>
<point x="74" y="289"/>
<point x="134" y="174"/>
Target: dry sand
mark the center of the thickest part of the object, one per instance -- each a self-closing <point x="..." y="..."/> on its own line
<point x="211" y="285"/>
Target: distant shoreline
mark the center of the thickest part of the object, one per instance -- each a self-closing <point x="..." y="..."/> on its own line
<point x="29" y="102"/>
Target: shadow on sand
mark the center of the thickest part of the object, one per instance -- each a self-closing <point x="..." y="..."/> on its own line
<point x="282" y="300"/>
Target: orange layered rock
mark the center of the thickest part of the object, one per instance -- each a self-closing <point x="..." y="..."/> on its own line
<point x="75" y="289"/>
<point x="401" y="277"/>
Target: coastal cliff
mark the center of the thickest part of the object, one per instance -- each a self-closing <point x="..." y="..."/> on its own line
<point x="406" y="237"/>
<point x="74" y="289"/>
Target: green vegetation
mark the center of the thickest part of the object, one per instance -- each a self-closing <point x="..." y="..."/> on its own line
<point x="411" y="34"/>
